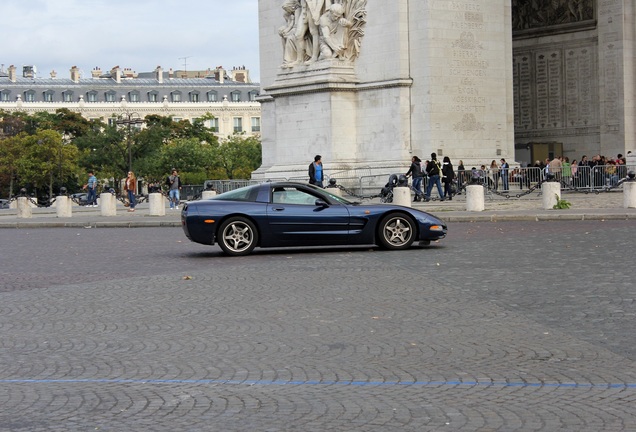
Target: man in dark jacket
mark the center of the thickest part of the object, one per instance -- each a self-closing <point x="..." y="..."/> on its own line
<point x="316" y="174"/>
<point x="416" y="171"/>
<point x="434" y="170"/>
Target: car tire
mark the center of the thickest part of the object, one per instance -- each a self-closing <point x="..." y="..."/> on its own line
<point x="396" y="231"/>
<point x="237" y="236"/>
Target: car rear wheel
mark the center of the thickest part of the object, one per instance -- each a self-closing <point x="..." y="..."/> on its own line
<point x="396" y="231"/>
<point x="237" y="236"/>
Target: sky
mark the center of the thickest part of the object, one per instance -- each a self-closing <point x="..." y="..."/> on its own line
<point x="135" y="34"/>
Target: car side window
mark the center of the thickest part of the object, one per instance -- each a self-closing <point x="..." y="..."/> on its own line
<point x="279" y="196"/>
<point x="291" y="195"/>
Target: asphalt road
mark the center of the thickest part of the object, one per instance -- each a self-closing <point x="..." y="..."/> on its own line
<point x="502" y="326"/>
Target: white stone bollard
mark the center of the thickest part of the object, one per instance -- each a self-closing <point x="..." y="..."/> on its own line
<point x="629" y="194"/>
<point x="24" y="208"/>
<point x="551" y="192"/>
<point x="108" y="204"/>
<point x="402" y="196"/>
<point x="208" y="194"/>
<point x="157" y="203"/>
<point x="63" y="206"/>
<point x="334" y="191"/>
<point x="475" y="200"/>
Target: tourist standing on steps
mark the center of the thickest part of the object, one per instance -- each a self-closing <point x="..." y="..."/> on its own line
<point x="130" y="186"/>
<point x="316" y="173"/>
<point x="416" y="171"/>
<point x="174" y="189"/>
<point x="503" y="169"/>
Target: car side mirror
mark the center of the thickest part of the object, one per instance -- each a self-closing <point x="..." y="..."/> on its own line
<point x="321" y="203"/>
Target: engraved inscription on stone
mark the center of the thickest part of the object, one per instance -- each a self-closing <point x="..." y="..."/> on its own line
<point x="467" y="64"/>
<point x="610" y="63"/>
<point x="555" y="89"/>
<point x="522" y="76"/>
<point x="548" y="90"/>
<point x="578" y="92"/>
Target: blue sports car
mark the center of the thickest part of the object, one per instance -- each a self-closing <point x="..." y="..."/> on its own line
<point x="286" y="214"/>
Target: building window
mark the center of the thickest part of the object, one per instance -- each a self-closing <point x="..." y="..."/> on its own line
<point x="48" y="95"/>
<point x="5" y="95"/>
<point x="236" y="96"/>
<point x="194" y="96"/>
<point x="256" y="124"/>
<point x="29" y="96"/>
<point x="153" y="96"/>
<point x="214" y="124"/>
<point x="109" y="96"/>
<point x="238" y="125"/>
<point x="176" y="96"/>
<point x="212" y="96"/>
<point x="112" y="121"/>
<point x="133" y="96"/>
<point x="67" y="96"/>
<point x="91" y="96"/>
<point x="252" y="95"/>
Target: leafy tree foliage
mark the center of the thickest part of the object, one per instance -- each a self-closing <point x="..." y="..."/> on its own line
<point x="238" y="156"/>
<point x="47" y="150"/>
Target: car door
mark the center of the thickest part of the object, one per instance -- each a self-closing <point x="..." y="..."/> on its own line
<point x="295" y="219"/>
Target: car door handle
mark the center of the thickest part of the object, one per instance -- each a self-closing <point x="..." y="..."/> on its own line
<point x="278" y="208"/>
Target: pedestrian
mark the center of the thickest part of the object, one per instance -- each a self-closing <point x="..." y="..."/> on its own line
<point x="434" y="170"/>
<point x="493" y="175"/>
<point x="504" y="174"/>
<point x="173" y="182"/>
<point x="416" y="171"/>
<point x="130" y="186"/>
<point x="461" y="176"/>
<point x="448" y="175"/>
<point x="316" y="172"/>
<point x="91" y="190"/>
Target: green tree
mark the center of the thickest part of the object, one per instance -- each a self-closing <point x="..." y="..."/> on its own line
<point x="11" y="150"/>
<point x="69" y="123"/>
<point x="237" y="157"/>
<point x="191" y="157"/>
<point x="45" y="156"/>
<point x="13" y="123"/>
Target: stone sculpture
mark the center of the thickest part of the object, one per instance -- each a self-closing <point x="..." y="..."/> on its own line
<point x="321" y="30"/>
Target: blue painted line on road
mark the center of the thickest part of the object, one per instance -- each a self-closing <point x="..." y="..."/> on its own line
<point x="325" y="383"/>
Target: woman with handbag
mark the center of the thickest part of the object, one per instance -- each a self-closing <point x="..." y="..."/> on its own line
<point x="130" y="186"/>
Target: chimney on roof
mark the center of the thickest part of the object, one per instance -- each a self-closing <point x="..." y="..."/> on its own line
<point x="53" y="74"/>
<point x="219" y="74"/>
<point x="12" y="74"/>
<point x="75" y="74"/>
<point x="170" y="73"/>
<point x="159" y="74"/>
<point x="115" y="73"/>
<point x="96" y="72"/>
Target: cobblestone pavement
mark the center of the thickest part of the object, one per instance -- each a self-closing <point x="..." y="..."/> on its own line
<point x="517" y="326"/>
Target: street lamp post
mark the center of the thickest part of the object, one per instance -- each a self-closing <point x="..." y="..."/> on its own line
<point x="129" y="119"/>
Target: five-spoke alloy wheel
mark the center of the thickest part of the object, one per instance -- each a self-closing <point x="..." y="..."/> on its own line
<point x="237" y="236"/>
<point x="396" y="231"/>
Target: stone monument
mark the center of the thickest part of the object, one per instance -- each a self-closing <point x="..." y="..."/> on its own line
<point x="369" y="84"/>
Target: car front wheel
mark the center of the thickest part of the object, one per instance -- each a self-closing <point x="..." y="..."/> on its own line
<point x="396" y="231"/>
<point x="238" y="236"/>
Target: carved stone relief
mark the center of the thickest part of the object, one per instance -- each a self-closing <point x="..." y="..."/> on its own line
<point x="317" y="30"/>
<point x="533" y="14"/>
